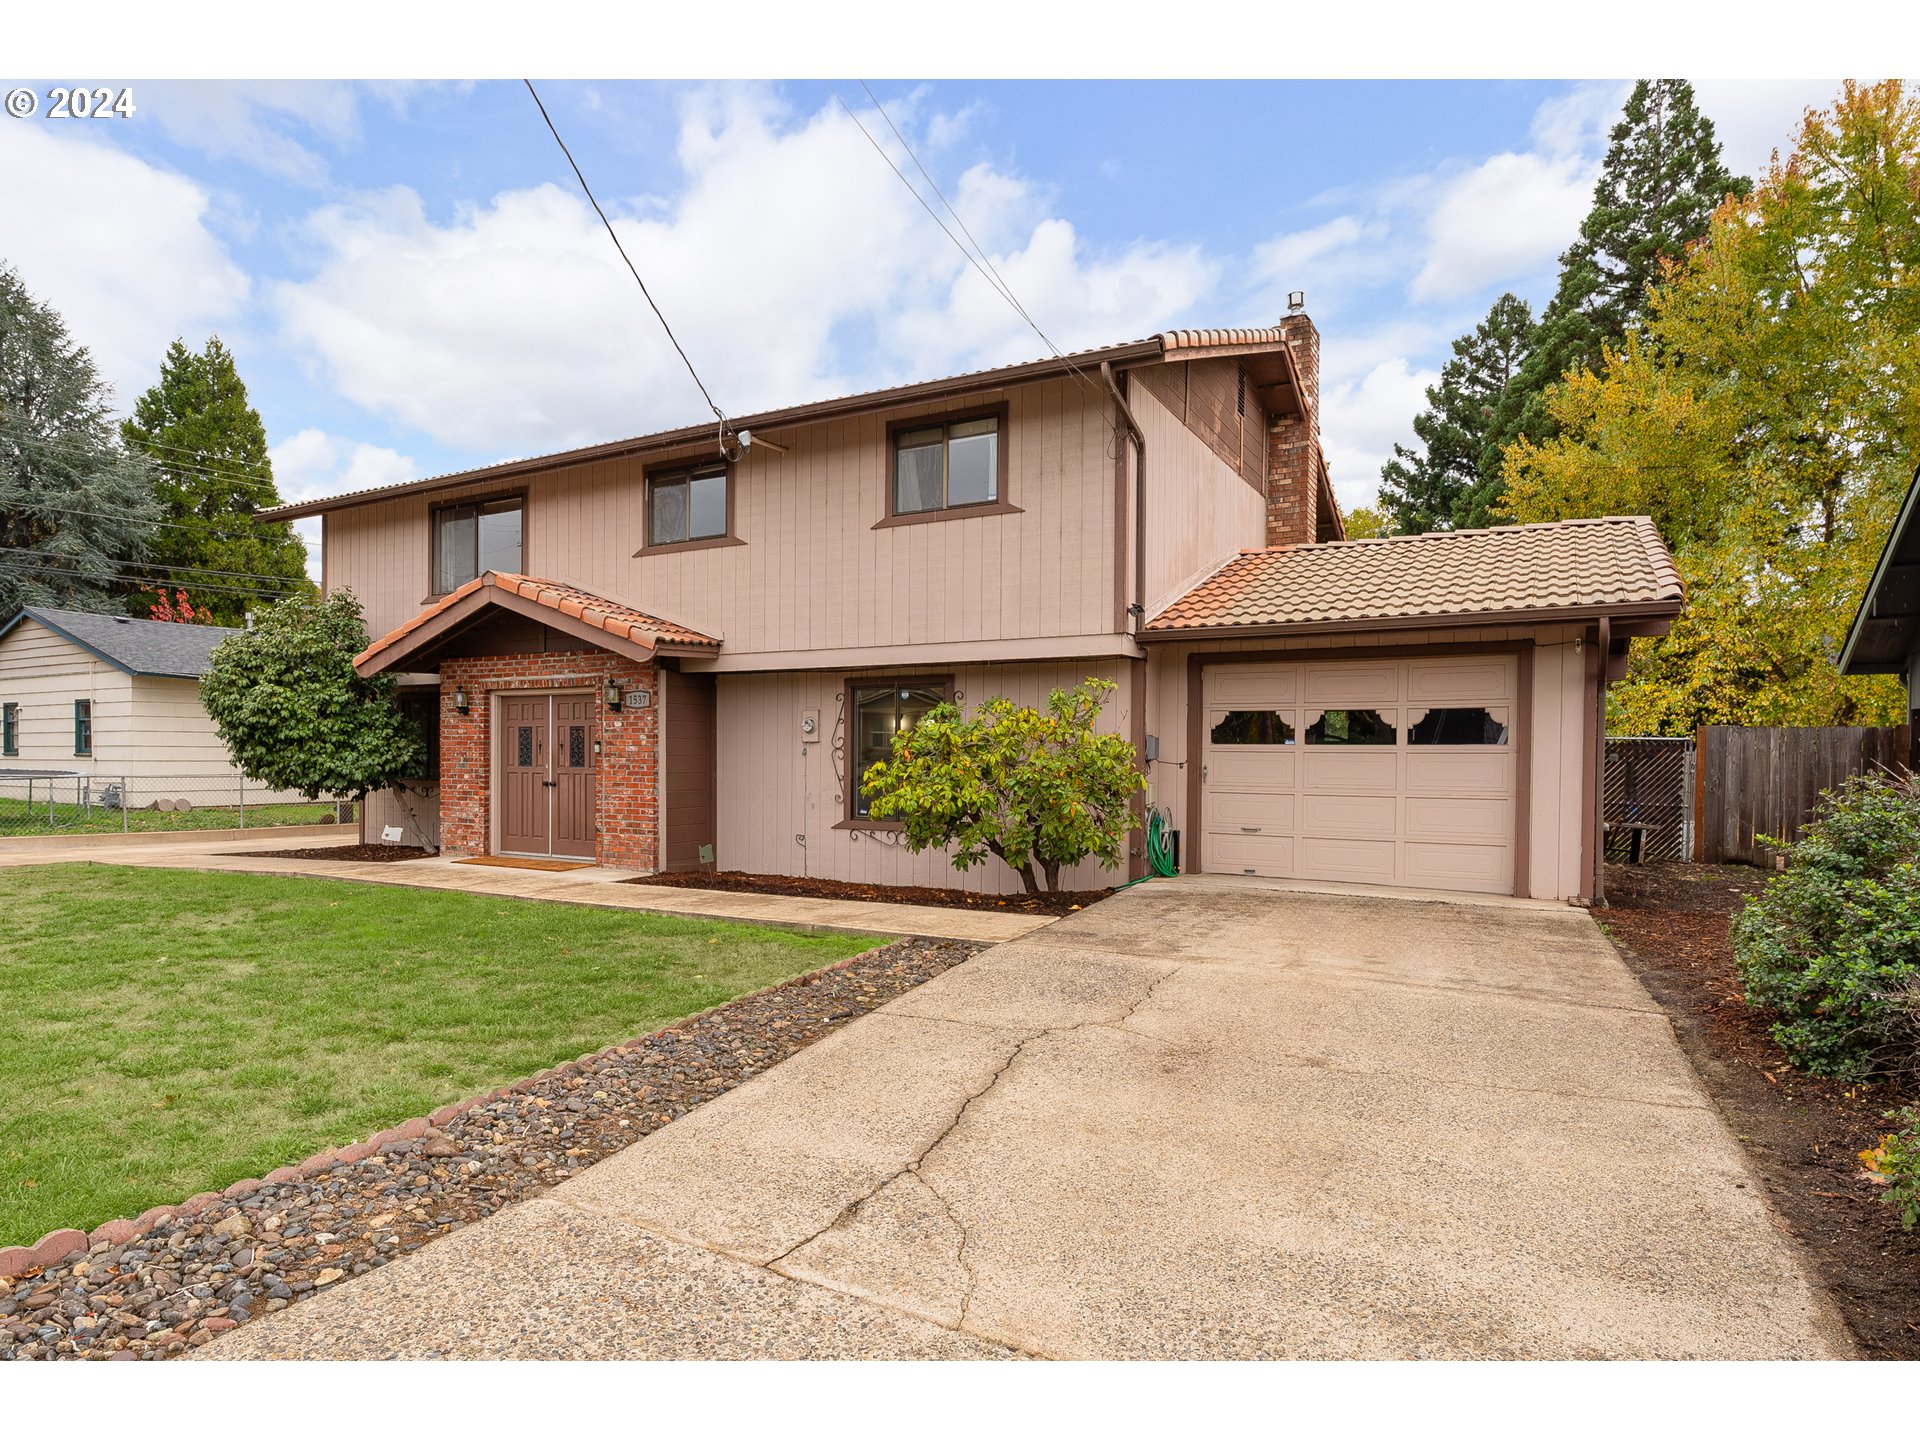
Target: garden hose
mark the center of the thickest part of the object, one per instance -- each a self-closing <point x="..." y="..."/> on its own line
<point x="1159" y="846"/>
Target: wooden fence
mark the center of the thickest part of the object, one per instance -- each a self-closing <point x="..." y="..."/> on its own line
<point x="1765" y="781"/>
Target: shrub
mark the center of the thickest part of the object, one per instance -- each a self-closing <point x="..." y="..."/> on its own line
<point x="293" y="712"/>
<point x="1830" y="946"/>
<point x="1034" y="787"/>
<point x="1897" y="1158"/>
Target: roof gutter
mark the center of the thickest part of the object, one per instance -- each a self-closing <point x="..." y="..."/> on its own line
<point x="1137" y="610"/>
<point x="1636" y="610"/>
<point x="981" y="382"/>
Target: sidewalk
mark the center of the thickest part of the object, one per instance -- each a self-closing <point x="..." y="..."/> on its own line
<point x="572" y="887"/>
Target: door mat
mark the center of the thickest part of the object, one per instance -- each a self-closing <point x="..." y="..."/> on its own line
<point x="515" y="862"/>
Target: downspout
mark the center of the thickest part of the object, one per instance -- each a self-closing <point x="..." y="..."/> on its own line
<point x="1137" y="608"/>
<point x="1600" y="764"/>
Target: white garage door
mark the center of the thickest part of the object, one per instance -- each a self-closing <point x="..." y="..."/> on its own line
<point x="1386" y="772"/>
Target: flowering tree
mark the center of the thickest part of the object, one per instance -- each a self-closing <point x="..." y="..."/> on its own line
<point x="1037" y="788"/>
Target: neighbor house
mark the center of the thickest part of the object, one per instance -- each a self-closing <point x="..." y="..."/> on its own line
<point x="666" y="652"/>
<point x="111" y="699"/>
<point x="1885" y="639"/>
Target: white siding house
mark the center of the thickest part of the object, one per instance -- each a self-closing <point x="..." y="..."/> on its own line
<point x="110" y="697"/>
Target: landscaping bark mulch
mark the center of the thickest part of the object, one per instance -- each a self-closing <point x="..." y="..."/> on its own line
<point x="180" y="1285"/>
<point x="1803" y="1134"/>
<point x="382" y="854"/>
<point x="1064" y="902"/>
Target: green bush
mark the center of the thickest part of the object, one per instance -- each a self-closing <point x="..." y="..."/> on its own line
<point x="1898" y="1159"/>
<point x="1830" y="946"/>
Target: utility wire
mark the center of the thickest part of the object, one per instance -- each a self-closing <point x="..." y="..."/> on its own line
<point x="981" y="250"/>
<point x="98" y="579"/>
<point x="719" y="414"/>
<point x="204" y="529"/>
<point x="142" y="564"/>
<point x="994" y="281"/>
<point x="200" y="466"/>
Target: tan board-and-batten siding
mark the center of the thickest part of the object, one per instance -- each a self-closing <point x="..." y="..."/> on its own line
<point x="811" y="573"/>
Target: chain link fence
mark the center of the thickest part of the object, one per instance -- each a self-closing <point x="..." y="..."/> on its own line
<point x="69" y="803"/>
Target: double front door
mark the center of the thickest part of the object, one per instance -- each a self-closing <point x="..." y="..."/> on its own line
<point x="545" y="774"/>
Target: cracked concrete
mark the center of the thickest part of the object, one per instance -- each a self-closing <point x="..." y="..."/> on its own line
<point x="1196" y="1121"/>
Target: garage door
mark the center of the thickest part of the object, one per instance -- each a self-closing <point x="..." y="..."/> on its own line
<point x="1385" y="772"/>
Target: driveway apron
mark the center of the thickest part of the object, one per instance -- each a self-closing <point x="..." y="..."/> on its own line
<point x="1203" y="1119"/>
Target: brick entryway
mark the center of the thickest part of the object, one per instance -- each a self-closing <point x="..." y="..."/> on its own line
<point x="540" y="764"/>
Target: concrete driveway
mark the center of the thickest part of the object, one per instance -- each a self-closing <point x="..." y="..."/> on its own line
<point x="1206" y="1119"/>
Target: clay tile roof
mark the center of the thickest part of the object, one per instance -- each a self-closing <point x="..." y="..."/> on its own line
<point x="1571" y="567"/>
<point x="1209" y="339"/>
<point x="623" y="622"/>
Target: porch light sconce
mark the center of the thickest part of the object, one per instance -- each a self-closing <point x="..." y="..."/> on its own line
<point x="460" y="700"/>
<point x="611" y="694"/>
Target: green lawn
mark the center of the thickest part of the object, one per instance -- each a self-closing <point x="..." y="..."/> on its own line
<point x="166" y="1032"/>
<point x="70" y="819"/>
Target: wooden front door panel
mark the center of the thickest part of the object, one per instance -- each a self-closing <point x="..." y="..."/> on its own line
<point x="575" y="774"/>
<point x="521" y="774"/>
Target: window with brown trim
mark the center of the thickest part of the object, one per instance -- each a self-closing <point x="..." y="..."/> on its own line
<point x="472" y="538"/>
<point x="947" y="462"/>
<point x="877" y="711"/>
<point x="690" y="504"/>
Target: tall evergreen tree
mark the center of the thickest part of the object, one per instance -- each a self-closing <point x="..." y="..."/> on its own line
<point x="208" y="449"/>
<point x="1453" y="480"/>
<point x="75" y="509"/>
<point x="1658" y="188"/>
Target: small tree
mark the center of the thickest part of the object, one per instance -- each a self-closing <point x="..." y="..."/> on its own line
<point x="1034" y="787"/>
<point x="294" y="713"/>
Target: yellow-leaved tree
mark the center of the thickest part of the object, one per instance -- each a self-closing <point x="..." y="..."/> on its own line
<point x="1768" y="418"/>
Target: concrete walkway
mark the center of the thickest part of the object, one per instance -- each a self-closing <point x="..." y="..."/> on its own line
<point x="593" y="886"/>
<point x="1199" y="1120"/>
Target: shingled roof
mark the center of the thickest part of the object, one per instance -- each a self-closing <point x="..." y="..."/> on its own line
<point x="610" y="623"/>
<point x="139" y="647"/>
<point x="1568" y="569"/>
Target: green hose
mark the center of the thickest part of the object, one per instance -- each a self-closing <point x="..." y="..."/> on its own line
<point x="1159" y="846"/>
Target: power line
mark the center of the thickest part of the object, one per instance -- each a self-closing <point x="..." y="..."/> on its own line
<point x="934" y="185"/>
<point x="142" y="564"/>
<point x="200" y="467"/>
<point x="137" y="583"/>
<point x="204" y="529"/>
<point x="719" y="414"/>
<point x="994" y="282"/>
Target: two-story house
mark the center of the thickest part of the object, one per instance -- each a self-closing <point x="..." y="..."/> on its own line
<point x="683" y="649"/>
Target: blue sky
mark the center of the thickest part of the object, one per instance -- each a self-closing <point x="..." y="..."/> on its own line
<point x="414" y="284"/>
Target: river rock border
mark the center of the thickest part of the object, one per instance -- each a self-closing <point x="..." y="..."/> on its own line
<point x="176" y="1276"/>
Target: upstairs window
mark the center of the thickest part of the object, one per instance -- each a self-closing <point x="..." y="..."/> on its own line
<point x="83" y="727"/>
<point x="689" y="504"/>
<point x="948" y="463"/>
<point x="469" y="540"/>
<point x="9" y="729"/>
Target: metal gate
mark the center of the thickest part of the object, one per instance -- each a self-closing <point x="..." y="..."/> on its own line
<point x="1648" y="781"/>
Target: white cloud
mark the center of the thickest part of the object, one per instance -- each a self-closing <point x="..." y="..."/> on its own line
<point x="1752" y="118"/>
<point x="1362" y="418"/>
<point x="121" y="249"/>
<point x="311" y="463"/>
<point x="255" y="121"/>
<point x="792" y="263"/>
<point x="1504" y="219"/>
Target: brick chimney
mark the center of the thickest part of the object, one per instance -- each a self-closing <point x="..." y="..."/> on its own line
<point x="1293" y="477"/>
